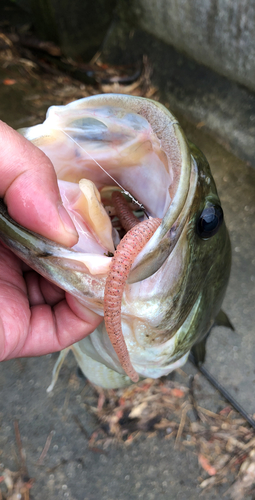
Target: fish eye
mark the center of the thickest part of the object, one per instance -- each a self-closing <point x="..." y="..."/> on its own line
<point x="209" y="221"/>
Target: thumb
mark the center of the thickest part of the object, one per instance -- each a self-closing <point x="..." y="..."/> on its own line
<point x="30" y="190"/>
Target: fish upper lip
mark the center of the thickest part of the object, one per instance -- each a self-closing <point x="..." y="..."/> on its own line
<point x="165" y="243"/>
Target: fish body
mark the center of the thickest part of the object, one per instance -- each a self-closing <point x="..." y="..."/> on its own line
<point x="177" y="282"/>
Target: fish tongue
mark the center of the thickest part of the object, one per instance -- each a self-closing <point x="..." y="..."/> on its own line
<point x="89" y="206"/>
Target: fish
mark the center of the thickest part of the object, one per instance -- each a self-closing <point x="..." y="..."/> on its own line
<point x="174" y="285"/>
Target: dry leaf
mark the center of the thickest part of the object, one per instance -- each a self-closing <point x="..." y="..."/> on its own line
<point x="177" y="393"/>
<point x="206" y="465"/>
<point x="246" y="478"/>
<point x="137" y="410"/>
<point x="208" y="482"/>
<point x="9" y="81"/>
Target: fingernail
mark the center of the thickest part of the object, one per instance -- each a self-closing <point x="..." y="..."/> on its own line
<point x="66" y="220"/>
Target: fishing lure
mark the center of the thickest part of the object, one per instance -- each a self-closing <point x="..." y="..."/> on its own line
<point x="129" y="247"/>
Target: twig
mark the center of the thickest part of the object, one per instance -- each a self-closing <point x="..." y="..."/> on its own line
<point x="20" y="448"/>
<point x="95" y="449"/>
<point x="182" y="423"/>
<point x="192" y="398"/>
<point x="45" y="449"/>
<point x="82" y="429"/>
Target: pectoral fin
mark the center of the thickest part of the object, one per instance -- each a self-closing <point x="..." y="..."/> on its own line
<point x="199" y="351"/>
<point x="223" y="320"/>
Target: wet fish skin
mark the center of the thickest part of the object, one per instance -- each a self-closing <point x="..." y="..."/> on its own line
<point x="190" y="310"/>
<point x="183" y="314"/>
<point x="209" y="263"/>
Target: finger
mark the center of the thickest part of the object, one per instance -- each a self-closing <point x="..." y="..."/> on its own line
<point x="53" y="330"/>
<point x="42" y="291"/>
<point x="41" y="329"/>
<point x="10" y="271"/>
<point x="29" y="188"/>
<point x="15" y="318"/>
<point x="34" y="292"/>
<point x="52" y="293"/>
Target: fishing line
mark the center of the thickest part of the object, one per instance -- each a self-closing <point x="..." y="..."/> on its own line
<point x="124" y="191"/>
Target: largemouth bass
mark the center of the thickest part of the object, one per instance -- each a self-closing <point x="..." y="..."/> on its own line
<point x="177" y="279"/>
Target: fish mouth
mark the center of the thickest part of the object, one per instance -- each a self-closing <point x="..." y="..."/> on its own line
<point x="103" y="143"/>
<point x="99" y="145"/>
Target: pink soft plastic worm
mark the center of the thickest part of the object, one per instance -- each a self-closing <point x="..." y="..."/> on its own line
<point x="123" y="212"/>
<point x="128" y="248"/>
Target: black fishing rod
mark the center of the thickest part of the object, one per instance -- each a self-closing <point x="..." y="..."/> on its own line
<point x="222" y="391"/>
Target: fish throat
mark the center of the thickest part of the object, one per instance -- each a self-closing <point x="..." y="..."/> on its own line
<point x="138" y="234"/>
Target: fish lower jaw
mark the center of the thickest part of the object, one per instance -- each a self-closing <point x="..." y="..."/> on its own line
<point x="157" y="372"/>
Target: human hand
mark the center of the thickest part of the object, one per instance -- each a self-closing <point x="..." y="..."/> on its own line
<point x="36" y="317"/>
